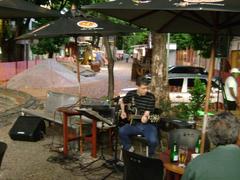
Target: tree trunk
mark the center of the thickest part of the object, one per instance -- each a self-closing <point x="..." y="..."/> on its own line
<point x="110" y="68"/>
<point x="50" y="54"/>
<point x="159" y="83"/>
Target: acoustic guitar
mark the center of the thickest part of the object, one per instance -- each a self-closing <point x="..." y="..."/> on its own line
<point x="133" y="116"/>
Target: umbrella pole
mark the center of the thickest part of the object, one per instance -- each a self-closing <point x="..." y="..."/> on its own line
<point x="209" y="85"/>
<point x="78" y="68"/>
<point x="79" y="93"/>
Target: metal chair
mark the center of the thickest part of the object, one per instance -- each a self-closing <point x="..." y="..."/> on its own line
<point x="141" y="167"/>
<point x="186" y="137"/>
<point x="3" y="147"/>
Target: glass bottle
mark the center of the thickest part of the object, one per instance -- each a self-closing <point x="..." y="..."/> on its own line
<point x="197" y="146"/>
<point x="174" y="153"/>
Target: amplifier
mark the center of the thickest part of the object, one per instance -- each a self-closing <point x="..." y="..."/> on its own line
<point x="28" y="128"/>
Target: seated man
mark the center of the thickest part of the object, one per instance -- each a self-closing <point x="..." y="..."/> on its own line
<point x="144" y="103"/>
<point x="224" y="161"/>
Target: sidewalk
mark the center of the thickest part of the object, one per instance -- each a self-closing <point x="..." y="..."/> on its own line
<point x="97" y="86"/>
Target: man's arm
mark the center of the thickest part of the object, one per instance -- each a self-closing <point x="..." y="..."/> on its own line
<point x="235" y="97"/>
<point x="147" y="112"/>
<point x="145" y="117"/>
<point x="122" y="106"/>
<point x="232" y="93"/>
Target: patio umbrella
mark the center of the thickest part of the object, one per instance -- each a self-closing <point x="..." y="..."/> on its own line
<point x="189" y="16"/>
<point x="23" y="9"/>
<point x="78" y="26"/>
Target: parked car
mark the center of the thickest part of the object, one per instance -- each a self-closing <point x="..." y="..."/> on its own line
<point x="183" y="70"/>
<point x="187" y="70"/>
<point x="180" y="84"/>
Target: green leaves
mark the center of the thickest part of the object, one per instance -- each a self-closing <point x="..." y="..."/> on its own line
<point x="198" y="94"/>
<point x="134" y="39"/>
<point x="48" y="45"/>
<point x="196" y="41"/>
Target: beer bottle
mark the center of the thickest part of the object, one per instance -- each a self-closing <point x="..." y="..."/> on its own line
<point x="174" y="153"/>
<point x="197" y="146"/>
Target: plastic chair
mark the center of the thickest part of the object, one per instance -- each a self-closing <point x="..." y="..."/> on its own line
<point x="3" y="147"/>
<point x="141" y="167"/>
<point x="186" y="137"/>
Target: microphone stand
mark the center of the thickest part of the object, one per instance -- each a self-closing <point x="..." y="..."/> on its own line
<point x="115" y="164"/>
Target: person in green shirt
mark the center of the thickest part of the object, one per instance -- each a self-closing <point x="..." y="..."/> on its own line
<point x="223" y="162"/>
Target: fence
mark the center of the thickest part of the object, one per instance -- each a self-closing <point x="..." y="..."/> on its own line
<point x="10" y="69"/>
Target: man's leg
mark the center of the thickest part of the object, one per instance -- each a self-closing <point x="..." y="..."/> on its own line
<point x="151" y="135"/>
<point x="125" y="132"/>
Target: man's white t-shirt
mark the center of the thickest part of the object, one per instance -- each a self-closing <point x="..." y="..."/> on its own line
<point x="230" y="82"/>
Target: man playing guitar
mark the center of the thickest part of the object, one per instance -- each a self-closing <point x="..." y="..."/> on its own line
<point x="144" y="103"/>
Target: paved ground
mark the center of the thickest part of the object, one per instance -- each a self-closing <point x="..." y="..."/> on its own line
<point x="95" y="86"/>
<point x="37" y="161"/>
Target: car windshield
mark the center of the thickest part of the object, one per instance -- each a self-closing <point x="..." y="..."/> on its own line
<point x="187" y="70"/>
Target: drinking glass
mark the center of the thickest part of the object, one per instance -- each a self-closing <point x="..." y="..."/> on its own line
<point x="182" y="156"/>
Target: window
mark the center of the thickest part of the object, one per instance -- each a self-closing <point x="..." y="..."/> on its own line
<point x="175" y="85"/>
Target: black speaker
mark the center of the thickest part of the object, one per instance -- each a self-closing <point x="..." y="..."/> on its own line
<point x="28" y="128"/>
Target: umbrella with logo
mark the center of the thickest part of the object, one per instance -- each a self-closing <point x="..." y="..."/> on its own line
<point x="23" y="9"/>
<point x="78" y="26"/>
<point x="170" y="16"/>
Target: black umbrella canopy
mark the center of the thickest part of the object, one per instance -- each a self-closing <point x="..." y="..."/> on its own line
<point x="22" y="9"/>
<point x="188" y="16"/>
<point x="78" y="26"/>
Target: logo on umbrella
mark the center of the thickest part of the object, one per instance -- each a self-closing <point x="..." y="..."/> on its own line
<point x="141" y="1"/>
<point x="184" y="3"/>
<point x="87" y="24"/>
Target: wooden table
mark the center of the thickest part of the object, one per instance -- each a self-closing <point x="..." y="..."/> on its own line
<point x="172" y="170"/>
<point x="67" y="112"/>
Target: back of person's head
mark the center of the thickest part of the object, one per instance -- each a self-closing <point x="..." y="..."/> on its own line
<point x="223" y="129"/>
<point x="142" y="81"/>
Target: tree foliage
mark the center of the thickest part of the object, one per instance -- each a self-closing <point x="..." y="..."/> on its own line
<point x="134" y="39"/>
<point x="182" y="40"/>
<point x="200" y="42"/>
<point x="48" y="46"/>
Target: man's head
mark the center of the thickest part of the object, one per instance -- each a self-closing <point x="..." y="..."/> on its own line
<point x="223" y="129"/>
<point x="143" y="85"/>
<point x="235" y="72"/>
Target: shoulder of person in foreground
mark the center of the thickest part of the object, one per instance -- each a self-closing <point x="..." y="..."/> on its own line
<point x="193" y="167"/>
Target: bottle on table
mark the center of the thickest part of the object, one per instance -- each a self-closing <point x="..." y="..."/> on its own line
<point x="198" y="146"/>
<point x="174" y="153"/>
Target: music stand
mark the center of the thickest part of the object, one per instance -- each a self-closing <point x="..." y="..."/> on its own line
<point x="95" y="115"/>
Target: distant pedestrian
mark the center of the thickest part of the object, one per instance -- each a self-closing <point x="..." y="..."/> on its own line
<point x="126" y="57"/>
<point x="98" y="56"/>
<point x="231" y="89"/>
